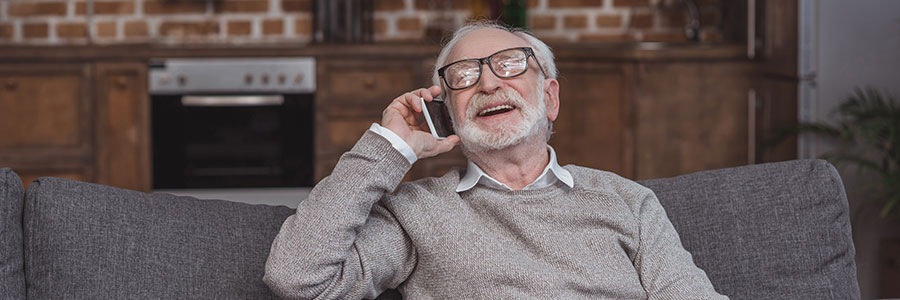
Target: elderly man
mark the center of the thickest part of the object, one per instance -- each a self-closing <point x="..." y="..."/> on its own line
<point x="513" y="225"/>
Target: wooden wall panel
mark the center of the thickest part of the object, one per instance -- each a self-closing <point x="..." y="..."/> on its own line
<point x="594" y="127"/>
<point x="123" y="126"/>
<point x="691" y="117"/>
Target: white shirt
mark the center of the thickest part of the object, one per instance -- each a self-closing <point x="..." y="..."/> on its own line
<point x="474" y="175"/>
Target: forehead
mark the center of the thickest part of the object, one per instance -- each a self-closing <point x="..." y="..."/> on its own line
<point x="484" y="42"/>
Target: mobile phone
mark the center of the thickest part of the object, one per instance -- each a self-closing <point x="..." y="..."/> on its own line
<point x="438" y="118"/>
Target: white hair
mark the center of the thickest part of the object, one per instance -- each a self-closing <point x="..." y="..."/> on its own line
<point x="542" y="53"/>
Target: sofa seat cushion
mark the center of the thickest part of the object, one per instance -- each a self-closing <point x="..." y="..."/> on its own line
<point x="89" y="241"/>
<point x="12" y="274"/>
<point x="767" y="231"/>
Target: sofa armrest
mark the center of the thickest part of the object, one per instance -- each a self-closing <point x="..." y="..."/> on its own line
<point x="12" y="273"/>
<point x="777" y="230"/>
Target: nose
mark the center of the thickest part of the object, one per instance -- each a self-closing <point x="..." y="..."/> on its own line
<point x="489" y="82"/>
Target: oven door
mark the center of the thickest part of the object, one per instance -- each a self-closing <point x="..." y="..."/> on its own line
<point x="232" y="141"/>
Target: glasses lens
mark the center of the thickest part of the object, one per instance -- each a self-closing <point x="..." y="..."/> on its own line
<point x="509" y="63"/>
<point x="462" y="74"/>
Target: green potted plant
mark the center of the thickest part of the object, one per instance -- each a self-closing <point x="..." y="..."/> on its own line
<point x="867" y="129"/>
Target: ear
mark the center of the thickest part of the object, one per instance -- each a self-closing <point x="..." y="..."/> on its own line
<point x="551" y="98"/>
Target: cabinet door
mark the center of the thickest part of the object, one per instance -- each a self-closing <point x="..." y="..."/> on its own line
<point x="45" y="120"/>
<point x="122" y="126"/>
<point x="691" y="116"/>
<point x="351" y="96"/>
<point x="779" y="37"/>
<point x="594" y="128"/>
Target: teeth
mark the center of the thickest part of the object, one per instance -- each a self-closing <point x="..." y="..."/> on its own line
<point x="495" y="108"/>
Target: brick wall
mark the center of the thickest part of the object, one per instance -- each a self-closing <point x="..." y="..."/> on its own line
<point x="274" y="21"/>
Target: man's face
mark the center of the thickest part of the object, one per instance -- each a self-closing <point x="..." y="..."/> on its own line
<point x="497" y="113"/>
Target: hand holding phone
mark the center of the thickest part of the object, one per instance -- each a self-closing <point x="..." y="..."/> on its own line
<point x="438" y="118"/>
<point x="402" y="118"/>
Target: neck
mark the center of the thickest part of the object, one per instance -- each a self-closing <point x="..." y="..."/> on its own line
<point x="516" y="166"/>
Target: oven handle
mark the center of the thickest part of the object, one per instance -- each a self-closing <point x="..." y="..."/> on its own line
<point x="268" y="100"/>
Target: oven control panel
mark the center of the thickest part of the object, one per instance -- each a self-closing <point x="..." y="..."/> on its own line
<point x="294" y="75"/>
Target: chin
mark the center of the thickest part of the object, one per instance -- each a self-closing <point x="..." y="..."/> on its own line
<point x="476" y="139"/>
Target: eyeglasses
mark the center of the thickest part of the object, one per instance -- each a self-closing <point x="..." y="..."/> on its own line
<point x="507" y="63"/>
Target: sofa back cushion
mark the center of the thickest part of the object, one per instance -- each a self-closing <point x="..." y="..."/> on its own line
<point x="12" y="274"/>
<point x="88" y="241"/>
<point x="778" y="230"/>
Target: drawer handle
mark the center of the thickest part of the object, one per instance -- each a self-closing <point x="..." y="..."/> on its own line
<point x="121" y="83"/>
<point x="369" y="83"/>
<point x="11" y="85"/>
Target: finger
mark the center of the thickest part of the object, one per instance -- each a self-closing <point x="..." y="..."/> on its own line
<point x="400" y="111"/>
<point x="435" y="91"/>
<point x="447" y="144"/>
<point x="411" y="99"/>
<point x="400" y="108"/>
<point x="453" y="139"/>
<point x="425" y="94"/>
<point x="409" y="102"/>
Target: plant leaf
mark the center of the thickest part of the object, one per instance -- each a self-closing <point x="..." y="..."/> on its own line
<point x="860" y="161"/>
<point x="890" y="204"/>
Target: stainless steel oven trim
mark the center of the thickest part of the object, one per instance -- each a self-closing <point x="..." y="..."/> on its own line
<point x="281" y="75"/>
<point x="267" y="100"/>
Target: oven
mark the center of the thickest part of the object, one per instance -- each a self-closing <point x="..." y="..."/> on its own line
<point x="233" y="128"/>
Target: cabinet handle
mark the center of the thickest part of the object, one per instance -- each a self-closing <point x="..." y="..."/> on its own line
<point x="369" y="83"/>
<point x="751" y="126"/>
<point x="11" y="85"/>
<point x="121" y="83"/>
<point x="751" y="29"/>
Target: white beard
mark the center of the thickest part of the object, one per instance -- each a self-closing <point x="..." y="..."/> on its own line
<point x="477" y="139"/>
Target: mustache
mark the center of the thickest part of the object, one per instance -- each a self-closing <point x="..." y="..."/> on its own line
<point x="504" y="95"/>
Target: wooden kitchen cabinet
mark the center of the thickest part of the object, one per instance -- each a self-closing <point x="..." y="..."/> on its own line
<point x="775" y="109"/>
<point x="80" y="121"/>
<point x="595" y="124"/>
<point x="691" y="116"/>
<point x="779" y="38"/>
<point x="45" y="120"/>
<point x="646" y="118"/>
<point x="122" y="126"/>
<point x="640" y="112"/>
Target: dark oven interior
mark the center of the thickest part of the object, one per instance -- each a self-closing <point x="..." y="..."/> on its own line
<point x="232" y="146"/>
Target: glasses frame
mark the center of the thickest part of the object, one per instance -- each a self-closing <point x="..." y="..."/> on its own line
<point x="487" y="60"/>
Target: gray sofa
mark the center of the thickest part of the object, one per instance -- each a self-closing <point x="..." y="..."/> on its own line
<point x="764" y="231"/>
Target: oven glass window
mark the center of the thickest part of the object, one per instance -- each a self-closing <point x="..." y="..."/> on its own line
<point x="232" y="146"/>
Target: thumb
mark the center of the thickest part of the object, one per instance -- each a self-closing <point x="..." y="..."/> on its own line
<point x="448" y="143"/>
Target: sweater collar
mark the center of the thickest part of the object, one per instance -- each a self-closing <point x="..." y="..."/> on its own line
<point x="552" y="172"/>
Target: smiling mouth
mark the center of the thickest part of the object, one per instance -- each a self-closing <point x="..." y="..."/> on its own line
<point x="496" y="110"/>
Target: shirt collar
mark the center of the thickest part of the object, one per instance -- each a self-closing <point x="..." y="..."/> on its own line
<point x="552" y="172"/>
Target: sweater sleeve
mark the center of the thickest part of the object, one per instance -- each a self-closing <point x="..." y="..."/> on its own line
<point x="343" y="243"/>
<point x="666" y="269"/>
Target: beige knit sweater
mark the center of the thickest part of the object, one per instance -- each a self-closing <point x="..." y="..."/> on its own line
<point x="608" y="237"/>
